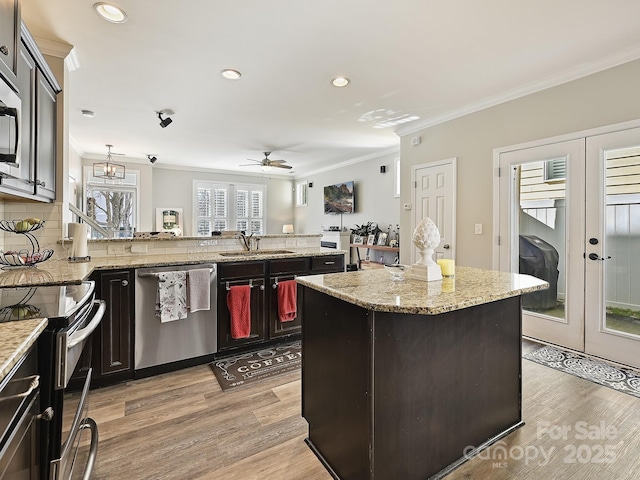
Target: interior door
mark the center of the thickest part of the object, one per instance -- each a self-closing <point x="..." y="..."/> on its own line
<point x="612" y="247"/>
<point x="541" y="202"/>
<point x="434" y="197"/>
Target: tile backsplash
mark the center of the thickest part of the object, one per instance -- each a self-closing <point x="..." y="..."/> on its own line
<point x="47" y="236"/>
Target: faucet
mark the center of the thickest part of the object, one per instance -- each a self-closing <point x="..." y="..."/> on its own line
<point x="246" y="240"/>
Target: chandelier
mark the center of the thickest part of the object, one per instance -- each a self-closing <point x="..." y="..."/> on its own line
<point x="108" y="169"/>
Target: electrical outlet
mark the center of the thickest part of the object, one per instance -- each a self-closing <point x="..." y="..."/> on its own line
<point x="139" y="248"/>
<point x="115" y="249"/>
<point x="478" y="229"/>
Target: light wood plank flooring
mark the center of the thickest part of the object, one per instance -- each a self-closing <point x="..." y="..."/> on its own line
<point x="182" y="426"/>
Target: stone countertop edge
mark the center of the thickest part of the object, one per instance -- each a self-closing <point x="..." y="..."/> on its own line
<point x="179" y="239"/>
<point x="64" y="272"/>
<point x="17" y="338"/>
<point x="374" y="290"/>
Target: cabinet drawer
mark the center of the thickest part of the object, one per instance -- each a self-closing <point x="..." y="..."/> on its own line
<point x="327" y="263"/>
<point x="240" y="270"/>
<point x="289" y="265"/>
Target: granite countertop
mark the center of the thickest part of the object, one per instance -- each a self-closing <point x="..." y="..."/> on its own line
<point x="374" y="290"/>
<point x="63" y="272"/>
<point x="17" y="338"/>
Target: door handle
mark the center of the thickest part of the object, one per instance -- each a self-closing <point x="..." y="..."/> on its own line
<point x="446" y="246"/>
<point x="4" y="50"/>
<point x="125" y="283"/>
<point x="595" y="256"/>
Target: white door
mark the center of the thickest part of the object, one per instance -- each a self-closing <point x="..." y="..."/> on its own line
<point x="542" y="234"/>
<point x="434" y="196"/>
<point x="612" y="264"/>
<point x="577" y="203"/>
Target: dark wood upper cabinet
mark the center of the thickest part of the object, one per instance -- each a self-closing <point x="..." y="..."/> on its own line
<point x="9" y="40"/>
<point x="45" y="138"/>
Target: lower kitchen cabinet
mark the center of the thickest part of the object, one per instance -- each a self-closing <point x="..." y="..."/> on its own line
<point x="281" y="270"/>
<point x="264" y="276"/>
<point x="236" y="274"/>
<point x="113" y="341"/>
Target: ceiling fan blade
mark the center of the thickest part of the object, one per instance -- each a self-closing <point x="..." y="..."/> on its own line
<point x="247" y="164"/>
<point x="277" y="161"/>
<point x="252" y="160"/>
<point x="277" y="165"/>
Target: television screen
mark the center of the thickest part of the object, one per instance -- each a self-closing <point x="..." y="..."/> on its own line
<point x="339" y="198"/>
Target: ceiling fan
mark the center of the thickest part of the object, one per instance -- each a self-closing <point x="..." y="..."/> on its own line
<point x="266" y="163"/>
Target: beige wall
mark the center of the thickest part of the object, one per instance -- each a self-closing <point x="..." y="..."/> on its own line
<point x="373" y="196"/>
<point x="600" y="99"/>
<point x="174" y="188"/>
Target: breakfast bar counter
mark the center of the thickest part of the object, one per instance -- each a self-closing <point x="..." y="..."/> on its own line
<point x="406" y="379"/>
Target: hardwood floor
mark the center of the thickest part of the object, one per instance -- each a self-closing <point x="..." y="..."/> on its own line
<point x="182" y="426"/>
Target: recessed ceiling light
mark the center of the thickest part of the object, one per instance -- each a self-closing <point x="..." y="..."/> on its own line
<point x="88" y="113"/>
<point x="110" y="12"/>
<point x="340" y="82"/>
<point x="230" y="74"/>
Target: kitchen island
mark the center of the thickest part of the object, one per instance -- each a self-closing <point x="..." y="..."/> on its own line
<point x="407" y="379"/>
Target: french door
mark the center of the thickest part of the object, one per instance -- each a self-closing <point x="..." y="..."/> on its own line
<point x="570" y="214"/>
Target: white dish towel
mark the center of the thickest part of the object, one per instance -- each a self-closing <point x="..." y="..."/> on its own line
<point x="198" y="286"/>
<point x="171" y="297"/>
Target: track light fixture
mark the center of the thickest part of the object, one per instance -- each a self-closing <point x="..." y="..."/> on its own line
<point x="164" y="121"/>
<point x="152" y="158"/>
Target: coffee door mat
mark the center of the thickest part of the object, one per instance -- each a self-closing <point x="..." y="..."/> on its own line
<point x="621" y="379"/>
<point x="249" y="367"/>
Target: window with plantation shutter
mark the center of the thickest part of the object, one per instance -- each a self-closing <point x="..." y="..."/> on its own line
<point x="555" y="170"/>
<point x="222" y="206"/>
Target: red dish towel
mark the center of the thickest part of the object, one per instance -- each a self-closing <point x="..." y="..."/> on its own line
<point x="287" y="298"/>
<point x="239" y="304"/>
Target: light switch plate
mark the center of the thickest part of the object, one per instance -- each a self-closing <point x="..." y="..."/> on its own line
<point x="478" y="229"/>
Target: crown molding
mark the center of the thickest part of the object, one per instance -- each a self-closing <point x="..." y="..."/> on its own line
<point x="576" y="73"/>
<point x="53" y="48"/>
<point x="364" y="158"/>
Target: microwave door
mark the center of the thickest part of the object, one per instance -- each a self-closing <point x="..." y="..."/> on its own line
<point x="10" y="105"/>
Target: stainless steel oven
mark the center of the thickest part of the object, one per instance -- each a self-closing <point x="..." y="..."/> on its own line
<point x="63" y="352"/>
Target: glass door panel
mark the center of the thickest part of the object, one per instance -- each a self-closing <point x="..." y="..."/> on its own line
<point x="613" y="247"/>
<point x="541" y="216"/>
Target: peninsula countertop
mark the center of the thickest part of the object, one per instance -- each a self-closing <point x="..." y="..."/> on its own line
<point x="374" y="289"/>
<point x="64" y="272"/>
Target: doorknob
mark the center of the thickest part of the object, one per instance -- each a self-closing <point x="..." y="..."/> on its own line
<point x="446" y="246"/>
<point x="594" y="256"/>
<point x="125" y="283"/>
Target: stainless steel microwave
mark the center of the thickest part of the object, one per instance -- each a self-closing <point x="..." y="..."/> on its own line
<point x="10" y="104"/>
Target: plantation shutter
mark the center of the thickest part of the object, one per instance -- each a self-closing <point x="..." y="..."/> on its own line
<point x="555" y="169"/>
<point x="227" y="206"/>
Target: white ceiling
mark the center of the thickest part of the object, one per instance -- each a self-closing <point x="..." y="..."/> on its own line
<point x="427" y="59"/>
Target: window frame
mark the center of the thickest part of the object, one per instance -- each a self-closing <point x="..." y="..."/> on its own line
<point x="232" y="217"/>
<point x="91" y="182"/>
<point x="302" y="193"/>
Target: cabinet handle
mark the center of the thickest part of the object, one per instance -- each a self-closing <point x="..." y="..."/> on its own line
<point x="41" y="183"/>
<point x="46" y="415"/>
<point x="329" y="263"/>
<point x="4" y="50"/>
<point x="125" y="283"/>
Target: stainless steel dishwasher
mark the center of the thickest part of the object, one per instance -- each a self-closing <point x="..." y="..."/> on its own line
<point x="158" y="343"/>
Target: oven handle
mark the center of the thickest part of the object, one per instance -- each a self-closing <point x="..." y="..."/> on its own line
<point x="93" y="448"/>
<point x="83" y="333"/>
<point x="34" y="382"/>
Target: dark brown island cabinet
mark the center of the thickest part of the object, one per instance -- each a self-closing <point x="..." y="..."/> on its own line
<point x="263" y="277"/>
<point x="402" y="379"/>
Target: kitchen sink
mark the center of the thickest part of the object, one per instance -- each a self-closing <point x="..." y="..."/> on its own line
<point x="244" y="253"/>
